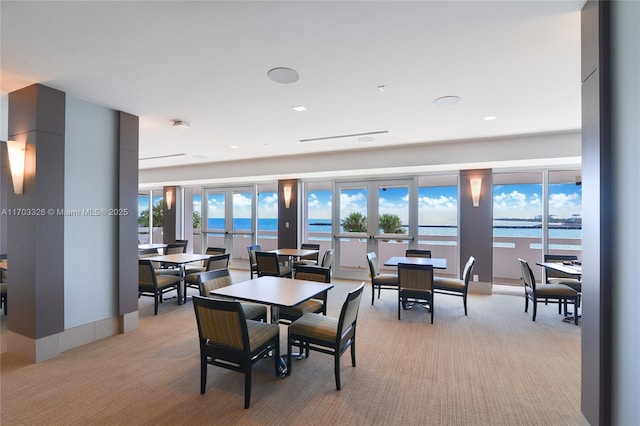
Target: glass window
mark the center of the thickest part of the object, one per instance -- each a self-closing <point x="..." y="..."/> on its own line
<point x="143" y="219"/>
<point x="565" y="213"/>
<point x="267" y="231"/>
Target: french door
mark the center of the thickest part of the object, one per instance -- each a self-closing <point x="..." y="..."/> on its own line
<point x="374" y="216"/>
<point x="229" y="219"/>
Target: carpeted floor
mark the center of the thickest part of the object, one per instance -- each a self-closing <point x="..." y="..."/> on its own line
<point x="492" y="367"/>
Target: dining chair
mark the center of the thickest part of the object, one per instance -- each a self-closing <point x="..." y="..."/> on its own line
<point x="456" y="287"/>
<point x="268" y="265"/>
<point x="415" y="285"/>
<point x="417" y="253"/>
<point x="380" y="281"/>
<point x="218" y="278"/>
<point x="202" y="266"/>
<point x="316" y="305"/>
<point x="327" y="258"/>
<point x="556" y="277"/>
<point x="327" y="334"/>
<point x="218" y="261"/>
<point x="252" y="259"/>
<point x="228" y="340"/>
<point x="546" y="293"/>
<point x="155" y="285"/>
<point x="311" y="259"/>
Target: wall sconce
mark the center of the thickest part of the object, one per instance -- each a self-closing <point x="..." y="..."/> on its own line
<point x="476" y="185"/>
<point x="287" y="195"/>
<point x="169" y="196"/>
<point x="16" y="152"/>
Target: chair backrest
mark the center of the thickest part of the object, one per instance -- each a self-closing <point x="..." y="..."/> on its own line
<point x="313" y="273"/>
<point x="349" y="312"/>
<point x="174" y="248"/>
<point x="557" y="258"/>
<point x="146" y="273"/>
<point x="267" y="263"/>
<point x="252" y="253"/>
<point x="184" y="242"/>
<point x="468" y="269"/>
<point x="216" y="250"/>
<point x="327" y="259"/>
<point x="221" y="323"/>
<point x="309" y="246"/>
<point x="417" y="253"/>
<point x="374" y="267"/>
<point x="415" y="277"/>
<point x="144" y="253"/>
<point x="527" y="275"/>
<point x="218" y="261"/>
<point x="212" y="280"/>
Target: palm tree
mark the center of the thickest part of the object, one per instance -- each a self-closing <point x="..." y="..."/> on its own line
<point x="390" y="224"/>
<point x="355" y="222"/>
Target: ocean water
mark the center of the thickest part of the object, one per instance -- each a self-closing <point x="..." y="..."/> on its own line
<point x="501" y="228"/>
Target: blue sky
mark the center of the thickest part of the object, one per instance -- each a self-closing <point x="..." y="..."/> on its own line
<point x="437" y="205"/>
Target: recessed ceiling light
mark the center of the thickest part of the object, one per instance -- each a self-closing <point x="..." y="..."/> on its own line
<point x="490" y="118"/>
<point x="446" y="101"/>
<point x="299" y="108"/>
<point x="382" y="88"/>
<point x="283" y="75"/>
<point x="233" y="146"/>
<point x="181" y="124"/>
<point x="366" y="139"/>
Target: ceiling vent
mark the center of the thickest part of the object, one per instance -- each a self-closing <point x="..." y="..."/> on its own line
<point x="353" y="135"/>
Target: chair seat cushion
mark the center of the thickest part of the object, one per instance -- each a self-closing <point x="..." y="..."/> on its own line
<point x="445" y="283"/>
<point x="571" y="282"/>
<point x="192" y="278"/>
<point x="300" y="309"/>
<point x="556" y="290"/>
<point x="307" y="262"/>
<point x="253" y="310"/>
<point x="194" y="269"/>
<point x="317" y="326"/>
<point x="260" y="333"/>
<point x="167" y="280"/>
<point x="386" y="279"/>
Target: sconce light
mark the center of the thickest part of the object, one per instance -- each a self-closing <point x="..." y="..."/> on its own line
<point x="287" y="195"/>
<point x="169" y="196"/>
<point x="16" y="152"/>
<point x="476" y="185"/>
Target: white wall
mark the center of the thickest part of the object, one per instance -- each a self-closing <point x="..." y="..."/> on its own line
<point x="91" y="178"/>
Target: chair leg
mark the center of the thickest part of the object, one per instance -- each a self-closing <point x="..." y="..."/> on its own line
<point x="399" y="303"/>
<point x="526" y="303"/>
<point x="203" y="374"/>
<point x="373" y="293"/>
<point x="464" y="301"/>
<point x="247" y="386"/>
<point x="535" y="309"/>
<point x="155" y="304"/>
<point x="353" y="350"/>
<point x="337" y="367"/>
<point x="431" y="305"/>
<point x="289" y="363"/>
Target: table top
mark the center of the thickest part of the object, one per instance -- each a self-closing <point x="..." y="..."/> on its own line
<point x="151" y="246"/>
<point x="293" y="252"/>
<point x="436" y="262"/>
<point x="274" y="291"/>
<point x="178" y="258"/>
<point x="3" y="264"/>
<point x="561" y="267"/>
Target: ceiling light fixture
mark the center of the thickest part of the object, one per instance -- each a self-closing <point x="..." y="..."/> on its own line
<point x="366" y="139"/>
<point x="181" y="124"/>
<point x="490" y="118"/>
<point x="299" y="108"/>
<point x="382" y="88"/>
<point x="283" y="75"/>
<point x="444" y="101"/>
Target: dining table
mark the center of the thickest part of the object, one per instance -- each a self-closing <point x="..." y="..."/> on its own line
<point x="436" y="262"/>
<point x="151" y="246"/>
<point x="293" y="253"/>
<point x="274" y="292"/>
<point x="179" y="260"/>
<point x="572" y="269"/>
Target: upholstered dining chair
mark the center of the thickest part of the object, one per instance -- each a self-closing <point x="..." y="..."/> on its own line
<point x="268" y="265"/>
<point x="546" y="293"/>
<point x="311" y="259"/>
<point x="327" y="334"/>
<point x="155" y="285"/>
<point x="556" y="277"/>
<point x="218" y="261"/>
<point x="415" y="284"/>
<point x="380" y="281"/>
<point x="228" y="340"/>
<point x="316" y="305"/>
<point x="417" y="253"/>
<point x="218" y="278"/>
<point x="251" y="250"/>
<point x="456" y="287"/>
<point x="192" y="268"/>
<point x="327" y="258"/>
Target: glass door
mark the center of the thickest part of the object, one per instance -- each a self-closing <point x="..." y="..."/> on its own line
<point x="374" y="216"/>
<point x="229" y="219"/>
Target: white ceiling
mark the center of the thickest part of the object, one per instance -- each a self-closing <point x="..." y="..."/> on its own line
<point x="206" y="63"/>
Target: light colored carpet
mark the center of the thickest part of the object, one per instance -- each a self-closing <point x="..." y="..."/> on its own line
<point x="493" y="367"/>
